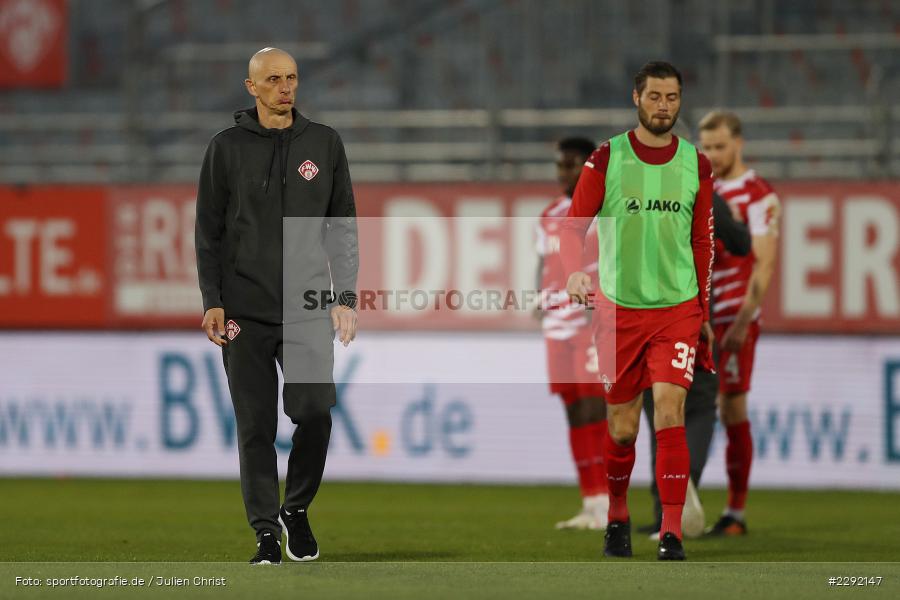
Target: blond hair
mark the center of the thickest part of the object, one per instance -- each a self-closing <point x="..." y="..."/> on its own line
<point x="718" y="118"/>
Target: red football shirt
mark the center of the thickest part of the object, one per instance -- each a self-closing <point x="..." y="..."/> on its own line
<point x="591" y="190"/>
<point x="562" y="318"/>
<point x="754" y="202"/>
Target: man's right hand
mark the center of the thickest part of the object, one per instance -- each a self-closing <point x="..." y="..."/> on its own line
<point x="214" y="326"/>
<point x="579" y="286"/>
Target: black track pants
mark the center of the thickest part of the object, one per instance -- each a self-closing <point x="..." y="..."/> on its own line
<point x="250" y="363"/>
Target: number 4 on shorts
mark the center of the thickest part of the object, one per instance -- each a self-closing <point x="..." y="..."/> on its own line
<point x="732" y="369"/>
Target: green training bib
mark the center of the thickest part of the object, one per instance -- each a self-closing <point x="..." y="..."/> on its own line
<point x="646" y="257"/>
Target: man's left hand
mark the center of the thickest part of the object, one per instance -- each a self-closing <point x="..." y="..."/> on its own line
<point x="734" y="337"/>
<point x="343" y="319"/>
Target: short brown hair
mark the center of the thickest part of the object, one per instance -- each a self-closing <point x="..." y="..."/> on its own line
<point x="717" y="118"/>
<point x="658" y="70"/>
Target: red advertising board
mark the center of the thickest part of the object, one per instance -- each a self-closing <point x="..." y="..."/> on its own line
<point x="122" y="256"/>
<point x="437" y="256"/>
<point x="53" y="257"/>
<point x="33" y="39"/>
<point x="153" y="265"/>
<point x="839" y="263"/>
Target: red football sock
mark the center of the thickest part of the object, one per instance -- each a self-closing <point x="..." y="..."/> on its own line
<point x="582" y="446"/>
<point x="619" y="463"/>
<point x="673" y="467"/>
<point x="738" y="458"/>
<point x="598" y="433"/>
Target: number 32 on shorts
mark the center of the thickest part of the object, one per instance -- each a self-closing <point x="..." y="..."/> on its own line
<point x="684" y="359"/>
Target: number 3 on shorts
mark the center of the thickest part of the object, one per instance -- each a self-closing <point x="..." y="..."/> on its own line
<point x="685" y="359"/>
<point x="593" y="361"/>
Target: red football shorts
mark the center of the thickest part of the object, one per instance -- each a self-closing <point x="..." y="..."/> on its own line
<point x="736" y="368"/>
<point x="652" y="345"/>
<point x="572" y="366"/>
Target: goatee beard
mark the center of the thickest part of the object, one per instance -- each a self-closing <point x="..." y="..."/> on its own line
<point x="647" y="122"/>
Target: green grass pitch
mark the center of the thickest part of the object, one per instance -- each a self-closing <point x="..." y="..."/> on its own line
<point x="436" y="541"/>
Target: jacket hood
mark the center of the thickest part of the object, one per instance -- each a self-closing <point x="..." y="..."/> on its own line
<point x="248" y="119"/>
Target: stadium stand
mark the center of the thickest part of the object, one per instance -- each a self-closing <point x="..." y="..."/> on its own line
<point x="473" y="89"/>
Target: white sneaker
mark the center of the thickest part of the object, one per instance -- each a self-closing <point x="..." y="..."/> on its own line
<point x="583" y="520"/>
<point x="592" y="516"/>
<point x="693" y="519"/>
<point x="599" y="506"/>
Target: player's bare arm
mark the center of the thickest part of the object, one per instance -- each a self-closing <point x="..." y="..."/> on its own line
<point x="765" y="253"/>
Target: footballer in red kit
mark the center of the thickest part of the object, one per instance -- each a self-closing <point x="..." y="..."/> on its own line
<point x="653" y="191"/>
<point x="739" y="286"/>
<point x="571" y="355"/>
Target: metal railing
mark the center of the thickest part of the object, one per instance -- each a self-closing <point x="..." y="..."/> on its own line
<point x="489" y="141"/>
<point x="437" y="158"/>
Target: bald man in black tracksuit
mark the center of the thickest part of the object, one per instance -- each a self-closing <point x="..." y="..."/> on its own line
<point x="275" y="220"/>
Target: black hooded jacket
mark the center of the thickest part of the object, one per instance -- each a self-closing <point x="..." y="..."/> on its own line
<point x="273" y="201"/>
